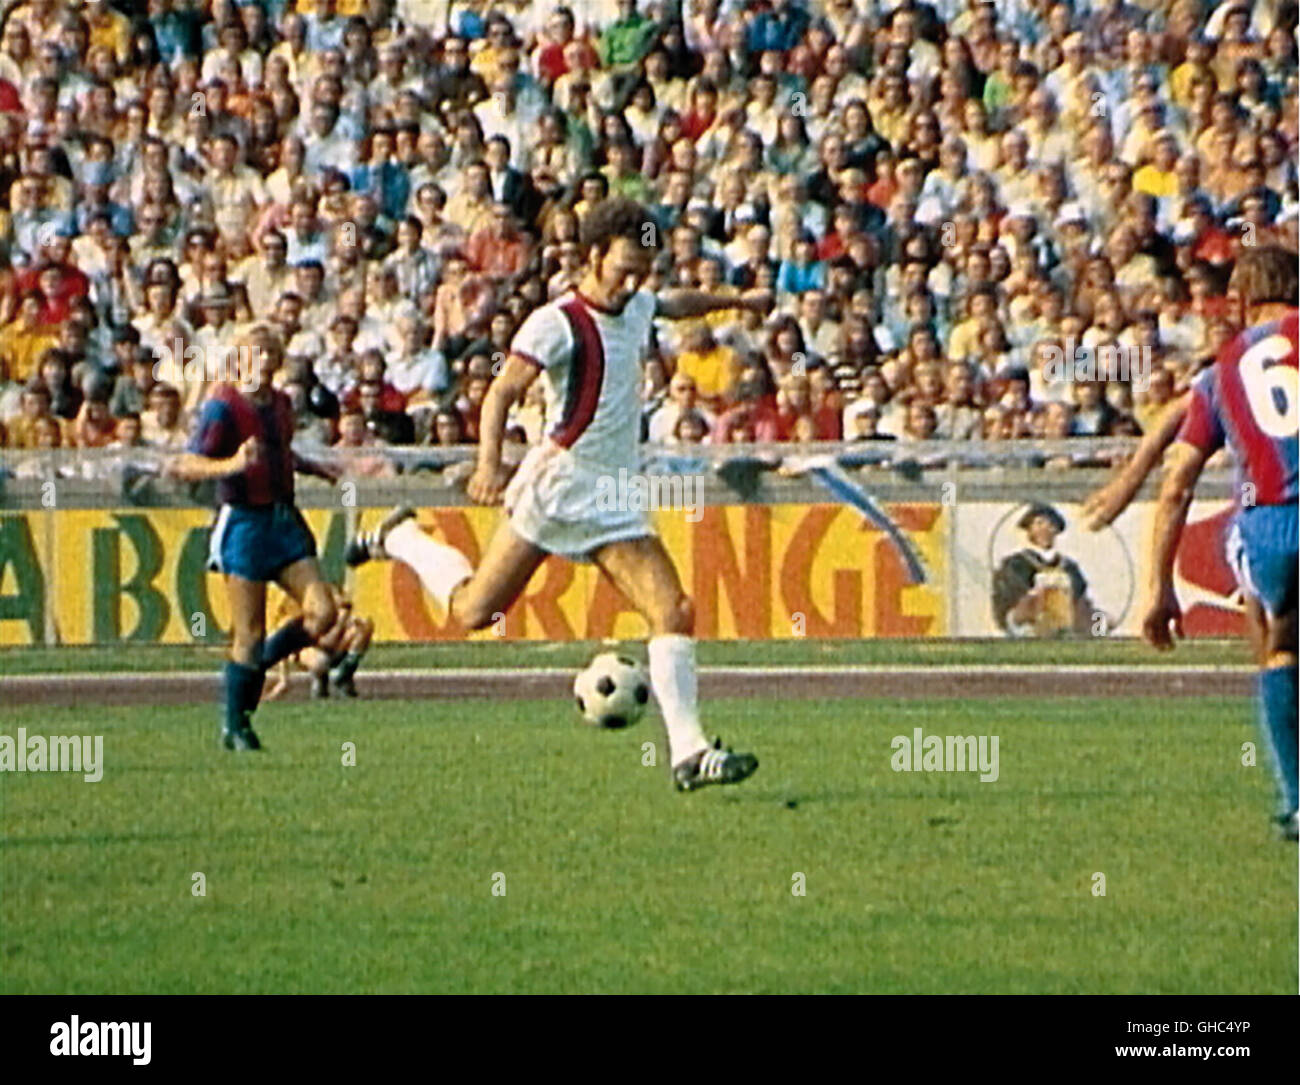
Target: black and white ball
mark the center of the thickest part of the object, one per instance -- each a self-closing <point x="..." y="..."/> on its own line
<point x="612" y="691"/>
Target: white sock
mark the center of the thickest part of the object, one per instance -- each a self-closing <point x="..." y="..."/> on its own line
<point x="672" y="677"/>
<point x="440" y="567"/>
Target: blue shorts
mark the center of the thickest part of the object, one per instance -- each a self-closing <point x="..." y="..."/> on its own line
<point x="1262" y="548"/>
<point x="258" y="542"/>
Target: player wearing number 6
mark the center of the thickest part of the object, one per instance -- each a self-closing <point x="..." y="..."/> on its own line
<point x="1250" y="400"/>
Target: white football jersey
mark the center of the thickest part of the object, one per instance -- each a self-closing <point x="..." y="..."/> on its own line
<point x="593" y="383"/>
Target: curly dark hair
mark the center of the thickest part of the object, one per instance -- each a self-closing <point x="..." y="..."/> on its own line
<point x="618" y="217"/>
<point x="1265" y="274"/>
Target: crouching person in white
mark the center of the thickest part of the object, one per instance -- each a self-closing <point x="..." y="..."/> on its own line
<point x="587" y="346"/>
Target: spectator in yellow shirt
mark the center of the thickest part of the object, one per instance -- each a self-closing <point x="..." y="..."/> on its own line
<point x="713" y="367"/>
<point x="498" y="44"/>
<point x="35" y="408"/>
<point x="982" y="308"/>
<point x="109" y="28"/>
<point x="1158" y="177"/>
<point x="25" y="338"/>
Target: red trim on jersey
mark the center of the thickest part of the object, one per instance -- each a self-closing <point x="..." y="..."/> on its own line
<point x="585" y="378"/>
<point x="526" y="357"/>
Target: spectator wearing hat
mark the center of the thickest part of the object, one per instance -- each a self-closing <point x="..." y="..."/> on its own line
<point x="1038" y="591"/>
<point x="214" y="327"/>
<point x="161" y="321"/>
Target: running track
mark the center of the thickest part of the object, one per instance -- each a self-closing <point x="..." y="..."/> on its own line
<point x="812" y="682"/>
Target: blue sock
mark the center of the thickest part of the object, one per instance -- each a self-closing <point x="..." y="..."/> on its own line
<point x="286" y="641"/>
<point x="1277" y="710"/>
<point x="243" y="691"/>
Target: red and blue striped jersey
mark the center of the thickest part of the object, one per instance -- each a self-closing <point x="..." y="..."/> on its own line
<point x="226" y="420"/>
<point x="1250" y="400"/>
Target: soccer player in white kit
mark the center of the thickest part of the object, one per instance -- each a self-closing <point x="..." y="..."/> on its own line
<point x="587" y="344"/>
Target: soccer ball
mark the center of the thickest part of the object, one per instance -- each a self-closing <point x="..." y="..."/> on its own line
<point x="612" y="691"/>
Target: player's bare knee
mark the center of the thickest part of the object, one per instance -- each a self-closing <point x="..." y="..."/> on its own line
<point x="677" y="617"/>
<point x="246" y="647"/>
<point x="319" y="614"/>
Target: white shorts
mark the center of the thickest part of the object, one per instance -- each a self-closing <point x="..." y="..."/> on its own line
<point x="552" y="503"/>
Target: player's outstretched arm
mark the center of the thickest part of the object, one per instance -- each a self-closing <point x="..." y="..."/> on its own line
<point x="1176" y="493"/>
<point x="195" y="467"/>
<point x="1102" y="506"/>
<point x="328" y="471"/>
<point x="681" y="304"/>
<point x="489" y="478"/>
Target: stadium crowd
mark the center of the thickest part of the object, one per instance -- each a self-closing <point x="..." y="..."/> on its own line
<point x="942" y="197"/>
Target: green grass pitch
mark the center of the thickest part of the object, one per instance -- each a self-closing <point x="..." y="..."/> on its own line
<point x="380" y="877"/>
